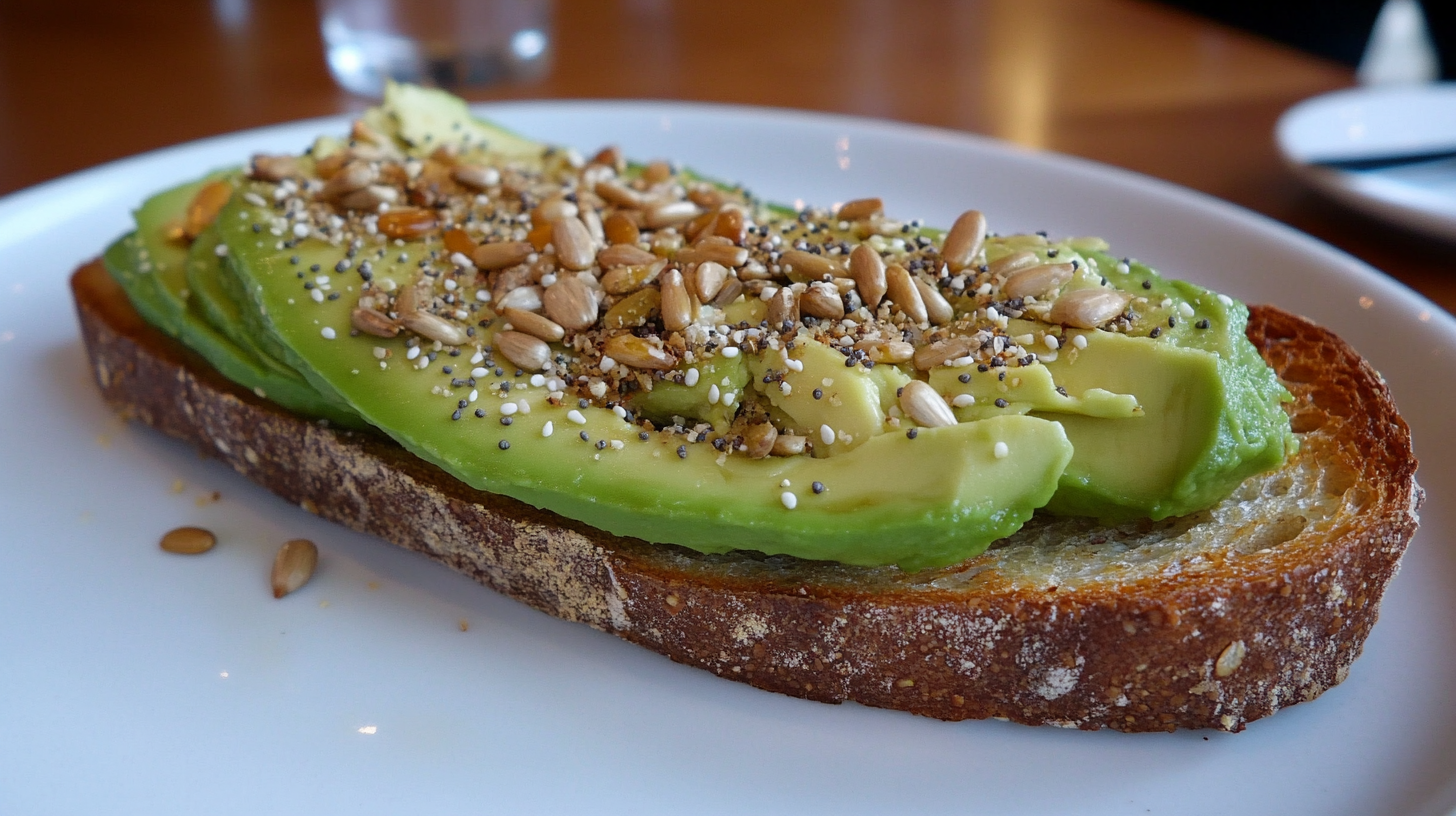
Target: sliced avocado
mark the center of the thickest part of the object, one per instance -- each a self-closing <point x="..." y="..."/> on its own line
<point x="823" y="393"/>
<point x="1026" y="389"/>
<point x="727" y="377"/>
<point x="935" y="499"/>
<point x="425" y="118"/>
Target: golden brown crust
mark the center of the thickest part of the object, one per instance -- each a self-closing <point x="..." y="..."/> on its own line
<point x="1211" y="621"/>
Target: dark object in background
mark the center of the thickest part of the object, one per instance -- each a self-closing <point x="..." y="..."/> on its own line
<point x="1337" y="29"/>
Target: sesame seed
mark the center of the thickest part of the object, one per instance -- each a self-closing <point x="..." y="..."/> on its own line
<point x="826" y="434"/>
<point x="505" y="420"/>
<point x="912" y="433"/>
<point x="479" y="413"/>
<point x="818" y="487"/>
<point x="584" y="436"/>
<point x="1079" y="341"/>
<point x="575" y="416"/>
<point x="504" y="445"/>
<point x="712" y="394"/>
<point x="548" y="428"/>
<point x="1001" y="451"/>
<point x="789" y="499"/>
<point x="963" y="400"/>
<point x="328" y="332"/>
<point x="730" y="352"/>
<point x="965" y="378"/>
<point x="690" y="379"/>
<point x="818" y="393"/>
<point x="682" y="451"/>
<point x="509" y="408"/>
<point x="479" y="372"/>
<point x="1001" y="403"/>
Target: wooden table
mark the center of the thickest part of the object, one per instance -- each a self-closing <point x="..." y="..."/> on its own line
<point x="1128" y="83"/>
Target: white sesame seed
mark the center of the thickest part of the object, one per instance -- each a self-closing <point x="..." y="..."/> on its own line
<point x="300" y="230"/>
<point x="575" y="416"/>
<point x="548" y="428"/>
<point x="474" y="395"/>
<point x="1080" y="341"/>
<point x="712" y="395"/>
<point x="608" y="363"/>
<point x="482" y="295"/>
<point x="450" y="284"/>
<point x="785" y="388"/>
<point x="728" y="397"/>
<point x="537" y="380"/>
<point x="619" y="411"/>
<point x="963" y="400"/>
<point x="789" y="499"/>
<point x="730" y="352"/>
<point x="785" y="483"/>
<point x="327" y="332"/>
<point x="1185" y="309"/>
<point x="524" y="406"/>
<point x="1225" y="300"/>
<point x="827" y="434"/>
<point x="380" y="352"/>
<point x="690" y="379"/>
<point x="317" y="295"/>
<point x="1051" y="341"/>
<point x="220" y="250"/>
<point x="479" y="372"/>
<point x="794" y="365"/>
<point x="1001" y="450"/>
<point x="509" y="408"/>
<point x="476" y="358"/>
<point x="459" y="259"/>
<point x="617" y="444"/>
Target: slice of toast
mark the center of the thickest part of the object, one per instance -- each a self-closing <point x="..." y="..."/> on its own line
<point x="1210" y="620"/>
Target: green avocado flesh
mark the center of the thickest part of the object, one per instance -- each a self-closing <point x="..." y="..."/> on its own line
<point x="1112" y="424"/>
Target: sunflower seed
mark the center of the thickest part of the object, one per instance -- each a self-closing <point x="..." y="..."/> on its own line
<point x="963" y="242"/>
<point x="1088" y="308"/>
<point x="708" y="280"/>
<point x="293" y="566"/>
<point x="353" y="176"/>
<point x="502" y="254"/>
<point x="188" y="541"/>
<point x="634" y="310"/>
<point x="788" y="445"/>
<point x="677" y="306"/>
<point x="476" y="178"/>
<point x="868" y="271"/>
<point x="434" y="327"/>
<point x="373" y="321"/>
<point x="670" y="213"/>
<point x="1036" y="281"/>
<point x="760" y="438"/>
<point x="624" y="255"/>
<point x="920" y="402"/>
<point x="526" y="352"/>
<point x="573" y="242"/>
<point x="1010" y="263"/>
<point x="533" y="324"/>
<point x="570" y="303"/>
<point x="802" y="267"/>
<point x="860" y="209"/>
<point x="937" y="309"/>
<point x="821" y="300"/>
<point x="636" y="352"/>
<point x="273" y="168"/>
<point x="620" y="195"/>
<point x="940" y="352"/>
<point x="900" y="288"/>
<point x="620" y="229"/>
<point x="783" y="307"/>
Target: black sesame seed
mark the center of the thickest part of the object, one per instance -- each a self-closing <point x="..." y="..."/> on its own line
<point x="1202" y="324"/>
<point x="1053" y="252"/>
<point x="1147" y="284"/>
<point x="341" y="266"/>
<point x="1001" y="403"/>
<point x="1061" y="390"/>
<point x="257" y="228"/>
<point x="308" y="284"/>
<point x="818" y="487"/>
<point x="455" y="414"/>
<point x="601" y="444"/>
<point x="912" y="433"/>
<point x="643" y="435"/>
<point x="1172" y="321"/>
<point x="505" y="420"/>
<point x="583" y="402"/>
<point x="314" y="268"/>
<point x="983" y="368"/>
<point x="682" y="451"/>
<point x="504" y="445"/>
<point x="965" y="378"/>
<point x="293" y="260"/>
<point x="479" y="412"/>
<point x="584" y="436"/>
<point x="462" y="403"/>
<point x="1155" y="332"/>
<point x="818" y="393"/>
<point x="333" y="296"/>
<point x="448" y="369"/>
<point x="849" y="363"/>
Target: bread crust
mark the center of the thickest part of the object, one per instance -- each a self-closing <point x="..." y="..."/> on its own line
<point x="1156" y="637"/>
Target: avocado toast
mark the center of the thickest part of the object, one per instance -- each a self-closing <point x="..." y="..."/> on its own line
<point x="862" y="391"/>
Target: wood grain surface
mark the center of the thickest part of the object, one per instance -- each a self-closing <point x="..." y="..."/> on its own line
<point x="1133" y="84"/>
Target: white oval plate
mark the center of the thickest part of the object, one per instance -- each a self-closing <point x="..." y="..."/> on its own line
<point x="1379" y="121"/>
<point x="133" y="681"/>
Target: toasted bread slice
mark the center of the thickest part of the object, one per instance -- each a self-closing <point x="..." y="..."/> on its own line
<point x="1207" y="621"/>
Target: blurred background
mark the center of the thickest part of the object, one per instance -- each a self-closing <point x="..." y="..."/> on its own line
<point x="1186" y="90"/>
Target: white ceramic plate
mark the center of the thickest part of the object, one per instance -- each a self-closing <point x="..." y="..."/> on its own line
<point x="136" y="682"/>
<point x="1379" y="121"/>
